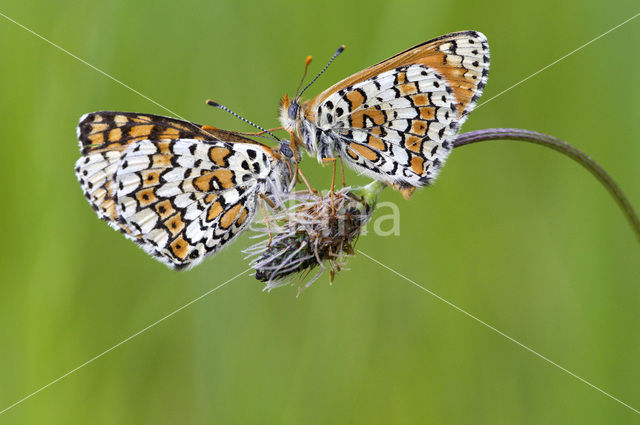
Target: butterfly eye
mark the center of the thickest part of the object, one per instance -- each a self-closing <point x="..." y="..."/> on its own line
<point x="293" y="110"/>
<point x="285" y="149"/>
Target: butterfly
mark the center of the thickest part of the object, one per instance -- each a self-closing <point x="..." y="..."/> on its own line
<point x="178" y="189"/>
<point x="395" y="121"/>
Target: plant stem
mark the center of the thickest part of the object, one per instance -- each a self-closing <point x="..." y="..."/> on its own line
<point x="370" y="192"/>
<point x="564" y="148"/>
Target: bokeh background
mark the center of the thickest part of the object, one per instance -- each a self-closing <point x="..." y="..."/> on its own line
<point x="517" y="235"/>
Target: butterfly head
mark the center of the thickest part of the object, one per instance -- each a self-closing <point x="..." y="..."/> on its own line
<point x="289" y="113"/>
<point x="292" y="111"/>
<point x="285" y="150"/>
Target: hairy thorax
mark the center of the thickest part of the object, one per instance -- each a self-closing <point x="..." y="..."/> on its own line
<point x="295" y="120"/>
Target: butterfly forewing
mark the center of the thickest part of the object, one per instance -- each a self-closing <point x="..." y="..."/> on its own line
<point x="179" y="190"/>
<point x="395" y="121"/>
<point x="462" y="58"/>
<point x="115" y="130"/>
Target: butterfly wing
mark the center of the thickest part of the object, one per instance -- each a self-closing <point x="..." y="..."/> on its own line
<point x="186" y="199"/>
<point x="396" y="120"/>
<point x="103" y="137"/>
<point x="179" y="191"/>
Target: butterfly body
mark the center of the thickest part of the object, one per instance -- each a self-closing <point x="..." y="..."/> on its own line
<point x="178" y="189"/>
<point x="395" y="121"/>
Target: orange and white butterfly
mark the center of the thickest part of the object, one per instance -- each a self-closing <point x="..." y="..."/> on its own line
<point x="179" y="189"/>
<point x="395" y="121"/>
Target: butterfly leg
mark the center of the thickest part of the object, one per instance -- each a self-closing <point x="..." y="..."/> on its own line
<point x="344" y="184"/>
<point x="263" y="210"/>
<point x="333" y="182"/>
<point x="267" y="200"/>
<point x="298" y="171"/>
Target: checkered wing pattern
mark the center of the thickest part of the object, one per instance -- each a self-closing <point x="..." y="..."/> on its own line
<point x="396" y="120"/>
<point x="177" y="190"/>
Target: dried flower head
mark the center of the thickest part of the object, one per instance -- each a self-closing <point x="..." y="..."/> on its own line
<point x="315" y="231"/>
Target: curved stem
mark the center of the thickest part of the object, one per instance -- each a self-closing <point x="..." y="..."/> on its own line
<point x="564" y="148"/>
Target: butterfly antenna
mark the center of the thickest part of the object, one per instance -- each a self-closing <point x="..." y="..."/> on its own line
<point x="224" y="108"/>
<point x="304" y="74"/>
<point x="335" y="55"/>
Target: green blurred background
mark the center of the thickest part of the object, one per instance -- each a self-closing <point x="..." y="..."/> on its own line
<point x="515" y="234"/>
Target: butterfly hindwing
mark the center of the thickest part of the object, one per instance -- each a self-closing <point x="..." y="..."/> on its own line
<point x="186" y="198"/>
<point x="103" y="136"/>
<point x="395" y="126"/>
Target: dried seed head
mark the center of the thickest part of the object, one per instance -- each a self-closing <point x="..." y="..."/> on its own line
<point x="315" y="231"/>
